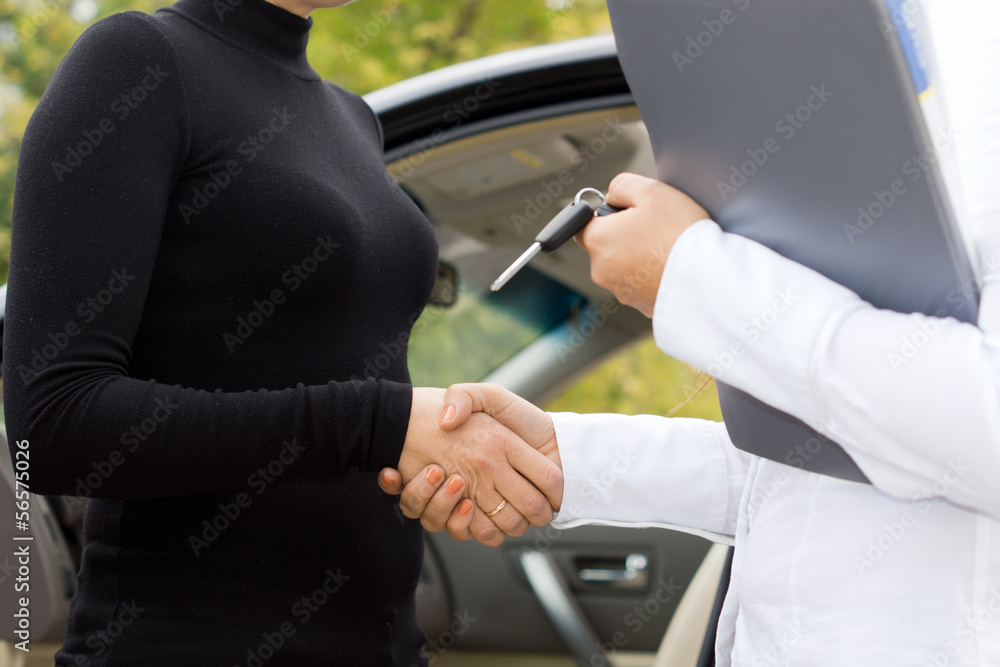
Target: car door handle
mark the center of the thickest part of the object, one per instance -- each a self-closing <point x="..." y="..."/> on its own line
<point x="632" y="573"/>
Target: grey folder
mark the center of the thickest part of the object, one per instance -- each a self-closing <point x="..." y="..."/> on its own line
<point x="796" y="123"/>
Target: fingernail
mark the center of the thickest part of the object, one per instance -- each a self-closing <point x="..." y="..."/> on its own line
<point x="434" y="475"/>
<point x="449" y="413"/>
<point x="465" y="507"/>
<point x="385" y="478"/>
<point x="454" y="485"/>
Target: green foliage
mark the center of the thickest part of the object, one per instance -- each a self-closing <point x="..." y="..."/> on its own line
<point x="362" y="46"/>
<point x="642" y="381"/>
<point x="365" y="46"/>
<point x="368" y="45"/>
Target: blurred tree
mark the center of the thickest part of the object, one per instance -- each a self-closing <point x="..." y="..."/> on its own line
<point x="642" y="380"/>
<point x="363" y="46"/>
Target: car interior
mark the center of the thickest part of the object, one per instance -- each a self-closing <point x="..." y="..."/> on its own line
<point x="593" y="595"/>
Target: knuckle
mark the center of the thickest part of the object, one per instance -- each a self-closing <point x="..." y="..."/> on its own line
<point x="552" y="478"/>
<point x="460" y="535"/>
<point x="520" y="528"/>
<point x="483" y="461"/>
<point x="408" y="511"/>
<point x="488" y="535"/>
<point x="512" y="523"/>
<point x="536" y="506"/>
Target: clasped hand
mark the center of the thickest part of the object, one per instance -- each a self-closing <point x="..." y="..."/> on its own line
<point x="494" y="447"/>
<point x="498" y="448"/>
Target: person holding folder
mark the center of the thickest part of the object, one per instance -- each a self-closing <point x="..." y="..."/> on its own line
<point x="905" y="571"/>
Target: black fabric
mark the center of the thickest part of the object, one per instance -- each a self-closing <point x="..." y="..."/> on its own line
<point x="212" y="283"/>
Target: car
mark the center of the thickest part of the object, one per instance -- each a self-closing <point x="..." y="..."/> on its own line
<point x="491" y="150"/>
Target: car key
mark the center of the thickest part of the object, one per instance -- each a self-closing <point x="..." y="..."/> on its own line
<point x="567" y="223"/>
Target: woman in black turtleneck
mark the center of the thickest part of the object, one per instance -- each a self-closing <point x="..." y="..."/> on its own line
<point x="206" y="250"/>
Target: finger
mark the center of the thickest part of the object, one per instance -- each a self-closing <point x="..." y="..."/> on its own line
<point x="544" y="474"/>
<point x="628" y="190"/>
<point x="507" y="519"/>
<point x="520" y="416"/>
<point x="527" y="504"/>
<point x="592" y="228"/>
<point x="419" y="491"/>
<point x="472" y="397"/>
<point x="390" y="481"/>
<point x="460" y="520"/>
<point x="484" y="530"/>
<point x="460" y="401"/>
<point x="443" y="504"/>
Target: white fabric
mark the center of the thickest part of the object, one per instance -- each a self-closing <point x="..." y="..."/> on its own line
<point x="827" y="572"/>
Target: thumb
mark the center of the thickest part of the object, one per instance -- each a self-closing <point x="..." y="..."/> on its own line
<point x="461" y="400"/>
<point x="390" y="481"/>
<point x="530" y="423"/>
<point x="626" y="189"/>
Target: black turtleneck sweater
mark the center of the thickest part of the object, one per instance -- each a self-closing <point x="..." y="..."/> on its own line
<point x="206" y="251"/>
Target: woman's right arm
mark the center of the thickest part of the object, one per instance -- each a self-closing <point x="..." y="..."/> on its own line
<point x="98" y="163"/>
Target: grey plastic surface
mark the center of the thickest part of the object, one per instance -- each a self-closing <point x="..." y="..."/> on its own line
<point x="720" y="109"/>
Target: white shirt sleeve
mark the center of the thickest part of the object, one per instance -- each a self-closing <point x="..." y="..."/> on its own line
<point x="915" y="400"/>
<point x="647" y="471"/>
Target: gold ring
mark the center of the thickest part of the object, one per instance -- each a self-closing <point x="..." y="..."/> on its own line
<point x="499" y="507"/>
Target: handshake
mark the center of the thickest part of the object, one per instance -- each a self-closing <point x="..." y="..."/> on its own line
<point x="499" y="453"/>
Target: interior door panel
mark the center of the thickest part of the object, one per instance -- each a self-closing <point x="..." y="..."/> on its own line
<point x="489" y="585"/>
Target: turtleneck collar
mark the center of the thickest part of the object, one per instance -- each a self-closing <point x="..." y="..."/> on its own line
<point x="256" y="26"/>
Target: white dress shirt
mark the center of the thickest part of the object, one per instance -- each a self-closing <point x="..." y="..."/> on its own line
<point x="829" y="572"/>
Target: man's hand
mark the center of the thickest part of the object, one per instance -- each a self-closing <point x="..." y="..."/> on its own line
<point x="441" y="507"/>
<point x="493" y="463"/>
<point x="629" y="250"/>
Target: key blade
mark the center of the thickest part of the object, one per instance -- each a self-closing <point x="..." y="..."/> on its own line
<point x="518" y="264"/>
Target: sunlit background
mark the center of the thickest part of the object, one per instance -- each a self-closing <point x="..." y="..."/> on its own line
<point x="362" y="47"/>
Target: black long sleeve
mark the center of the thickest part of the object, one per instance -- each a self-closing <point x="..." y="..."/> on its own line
<point x="114" y="165"/>
<point x="212" y="284"/>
